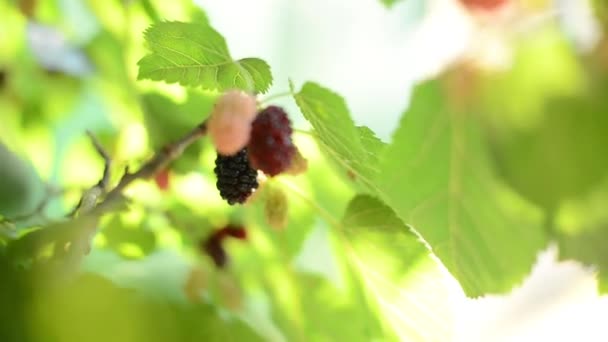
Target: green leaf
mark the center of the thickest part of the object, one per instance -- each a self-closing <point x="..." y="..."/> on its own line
<point x="581" y="230"/>
<point x="118" y="233"/>
<point x="515" y="98"/>
<point x="603" y="282"/>
<point x="565" y="142"/>
<point x="324" y="302"/>
<point x="34" y="242"/>
<point x="150" y="11"/>
<point x="437" y="177"/>
<point x="160" y="275"/>
<point x="546" y="116"/>
<point x="21" y="189"/>
<point x="397" y="270"/>
<point x="371" y="144"/>
<point x="197" y="55"/>
<point x="306" y="302"/>
<point x="166" y="121"/>
<point x="353" y="148"/>
<point x="94" y="309"/>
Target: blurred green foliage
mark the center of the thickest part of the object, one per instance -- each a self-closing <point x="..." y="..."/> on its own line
<point x="482" y="175"/>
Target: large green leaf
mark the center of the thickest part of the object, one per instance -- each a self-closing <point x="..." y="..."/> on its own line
<point x="372" y="145"/>
<point x="397" y="270"/>
<point x="353" y="148"/>
<point x="566" y="144"/>
<point x="94" y="309"/>
<point x="437" y="177"/>
<point x="315" y="288"/>
<point x="546" y="120"/>
<point x="603" y="282"/>
<point x="197" y="55"/>
<point x="323" y="301"/>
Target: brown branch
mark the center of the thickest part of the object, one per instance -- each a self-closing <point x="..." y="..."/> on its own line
<point x="73" y="237"/>
<point x="105" y="179"/>
<point x="80" y="244"/>
<point x="89" y="199"/>
<point x="158" y="162"/>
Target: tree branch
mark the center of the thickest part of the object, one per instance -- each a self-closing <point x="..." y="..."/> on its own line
<point x="89" y="199"/>
<point x="73" y="237"/>
<point x="105" y="179"/>
<point x="158" y="162"/>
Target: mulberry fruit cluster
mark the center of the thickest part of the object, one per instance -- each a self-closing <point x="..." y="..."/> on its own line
<point x="270" y="147"/>
<point x="247" y="141"/>
<point x="236" y="179"/>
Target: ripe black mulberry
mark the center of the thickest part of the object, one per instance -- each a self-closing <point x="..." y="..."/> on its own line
<point x="236" y="179"/>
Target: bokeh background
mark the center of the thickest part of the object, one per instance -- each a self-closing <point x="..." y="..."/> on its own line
<point x="537" y="68"/>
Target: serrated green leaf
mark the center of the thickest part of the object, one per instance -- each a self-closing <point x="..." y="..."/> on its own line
<point x="353" y="148"/>
<point x="437" y="177"/>
<point x="397" y="270"/>
<point x="372" y="222"/>
<point x="197" y="55"/>
<point x="371" y="144"/>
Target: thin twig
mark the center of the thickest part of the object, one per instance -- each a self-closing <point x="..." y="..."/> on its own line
<point x="105" y="179"/>
<point x="73" y="237"/>
<point x="80" y="245"/>
<point x="305" y="132"/>
<point x="157" y="163"/>
<point x="90" y="198"/>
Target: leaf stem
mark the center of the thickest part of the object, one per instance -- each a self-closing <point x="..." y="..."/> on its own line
<point x="275" y="96"/>
<point x="313" y="204"/>
<point x="305" y="132"/>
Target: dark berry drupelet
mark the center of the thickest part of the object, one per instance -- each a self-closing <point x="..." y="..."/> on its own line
<point x="270" y="147"/>
<point x="236" y="179"/>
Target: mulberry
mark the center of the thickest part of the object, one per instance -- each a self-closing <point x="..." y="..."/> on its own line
<point x="270" y="147"/>
<point x="236" y="179"/>
<point x="230" y="122"/>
